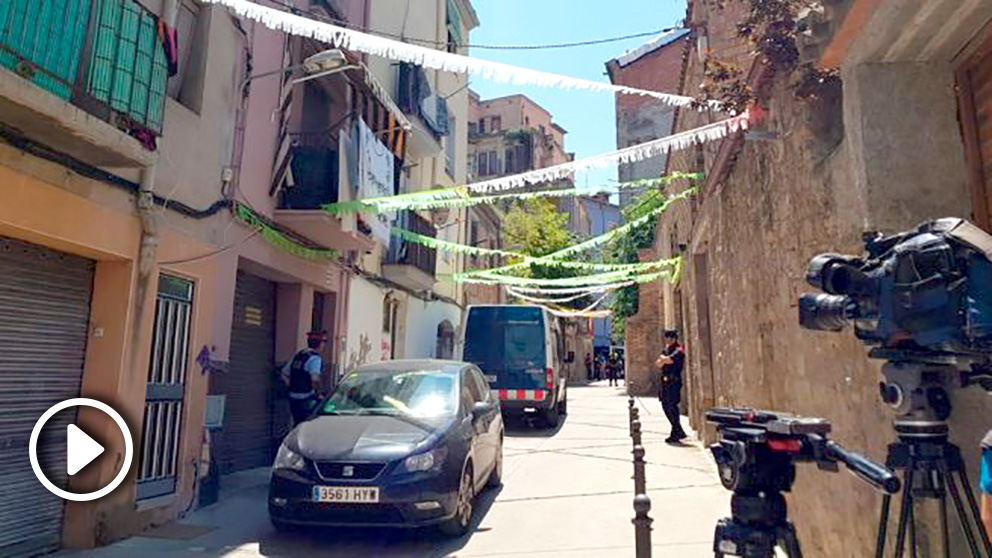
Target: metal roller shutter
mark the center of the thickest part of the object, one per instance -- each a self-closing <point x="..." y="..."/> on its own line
<point x="256" y="415"/>
<point x="44" y="315"/>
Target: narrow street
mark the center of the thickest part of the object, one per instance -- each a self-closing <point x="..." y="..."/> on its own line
<point x="566" y="493"/>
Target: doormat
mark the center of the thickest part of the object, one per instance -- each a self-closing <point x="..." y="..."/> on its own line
<point x="177" y="531"/>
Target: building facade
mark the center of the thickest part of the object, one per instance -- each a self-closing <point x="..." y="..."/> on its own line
<point x="161" y="229"/>
<point x="511" y="135"/>
<point x="653" y="66"/>
<point x="604" y="216"/>
<point x="893" y="138"/>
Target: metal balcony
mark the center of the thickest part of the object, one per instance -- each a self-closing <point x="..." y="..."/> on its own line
<point x="410" y="264"/>
<point x="86" y="77"/>
<point x="315" y="170"/>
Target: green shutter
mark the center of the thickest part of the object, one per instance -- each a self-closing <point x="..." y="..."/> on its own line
<point x="43" y="41"/>
<point x="127" y="66"/>
<point x="454" y="21"/>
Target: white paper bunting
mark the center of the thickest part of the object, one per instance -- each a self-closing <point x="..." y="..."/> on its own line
<point x="634" y="153"/>
<point x="342" y="37"/>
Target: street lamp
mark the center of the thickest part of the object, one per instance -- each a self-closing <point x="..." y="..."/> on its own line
<point x="321" y="64"/>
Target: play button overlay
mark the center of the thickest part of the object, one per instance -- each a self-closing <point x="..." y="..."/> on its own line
<point x="81" y="449"/>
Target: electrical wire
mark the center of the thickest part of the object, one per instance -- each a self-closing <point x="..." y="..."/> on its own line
<point x="431" y="42"/>
<point x="212" y="253"/>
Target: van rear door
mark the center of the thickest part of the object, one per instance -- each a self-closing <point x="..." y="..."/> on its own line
<point x="508" y="344"/>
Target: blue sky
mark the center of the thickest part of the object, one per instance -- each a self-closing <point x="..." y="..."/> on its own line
<point x="588" y="117"/>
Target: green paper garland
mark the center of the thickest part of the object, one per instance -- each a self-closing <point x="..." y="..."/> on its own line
<point x="592" y="242"/>
<point x="272" y="235"/>
<point x="454" y="247"/>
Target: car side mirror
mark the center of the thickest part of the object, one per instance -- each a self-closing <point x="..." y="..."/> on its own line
<point x="481" y="408"/>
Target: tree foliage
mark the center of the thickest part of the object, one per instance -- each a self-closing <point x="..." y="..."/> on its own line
<point x="624" y="302"/>
<point x="536" y="228"/>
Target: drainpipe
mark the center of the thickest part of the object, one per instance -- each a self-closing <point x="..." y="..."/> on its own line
<point x="147" y="254"/>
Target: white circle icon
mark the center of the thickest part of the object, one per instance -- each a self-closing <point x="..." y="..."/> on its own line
<point x="80" y="402"/>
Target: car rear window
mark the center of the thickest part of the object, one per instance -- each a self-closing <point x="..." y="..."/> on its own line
<point x="507" y="343"/>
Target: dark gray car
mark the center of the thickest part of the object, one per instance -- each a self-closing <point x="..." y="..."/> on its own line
<point x="398" y="444"/>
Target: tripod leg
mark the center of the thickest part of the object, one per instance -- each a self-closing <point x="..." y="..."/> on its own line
<point x="905" y="511"/>
<point x="790" y="542"/>
<point x="945" y="538"/>
<point x="975" y="513"/>
<point x="962" y="515"/>
<point x="912" y="532"/>
<point x="883" y="524"/>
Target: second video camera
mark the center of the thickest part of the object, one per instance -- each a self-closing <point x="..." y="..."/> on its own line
<point x="927" y="290"/>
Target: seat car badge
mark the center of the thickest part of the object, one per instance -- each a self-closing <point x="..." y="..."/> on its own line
<point x="348" y="471"/>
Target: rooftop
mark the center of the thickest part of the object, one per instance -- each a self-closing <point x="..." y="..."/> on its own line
<point x="654" y="44"/>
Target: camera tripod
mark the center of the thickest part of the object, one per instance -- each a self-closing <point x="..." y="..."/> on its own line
<point x="932" y="466"/>
<point x="758" y="523"/>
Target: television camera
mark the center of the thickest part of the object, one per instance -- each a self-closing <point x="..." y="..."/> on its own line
<point x="922" y="299"/>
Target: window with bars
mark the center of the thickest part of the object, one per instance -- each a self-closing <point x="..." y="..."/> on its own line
<point x="161" y="427"/>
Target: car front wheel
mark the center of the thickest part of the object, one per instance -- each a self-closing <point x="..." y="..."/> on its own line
<point x="458" y="525"/>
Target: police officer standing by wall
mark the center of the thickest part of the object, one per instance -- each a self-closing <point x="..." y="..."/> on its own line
<point x="671" y="362"/>
<point x="302" y="375"/>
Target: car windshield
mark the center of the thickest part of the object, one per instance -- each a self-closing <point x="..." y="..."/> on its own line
<point x="419" y="393"/>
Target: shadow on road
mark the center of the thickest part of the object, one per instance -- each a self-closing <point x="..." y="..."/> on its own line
<point x="531" y="427"/>
<point x="428" y="543"/>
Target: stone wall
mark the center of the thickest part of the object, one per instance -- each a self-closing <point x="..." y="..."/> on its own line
<point x="643" y="340"/>
<point x="826" y="170"/>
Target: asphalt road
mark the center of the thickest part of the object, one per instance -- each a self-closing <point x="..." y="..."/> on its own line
<point x="567" y="492"/>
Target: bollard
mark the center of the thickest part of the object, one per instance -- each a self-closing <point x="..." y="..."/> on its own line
<point x="634" y="417"/>
<point x="640" y="483"/>
<point x="635" y="432"/>
<point x="642" y="526"/>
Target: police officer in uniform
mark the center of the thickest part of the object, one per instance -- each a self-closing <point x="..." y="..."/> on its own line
<point x="671" y="362"/>
<point x="302" y="375"/>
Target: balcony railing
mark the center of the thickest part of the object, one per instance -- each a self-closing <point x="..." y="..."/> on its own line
<point x="105" y="56"/>
<point x="416" y="97"/>
<point x="413" y="254"/>
<point x="315" y="172"/>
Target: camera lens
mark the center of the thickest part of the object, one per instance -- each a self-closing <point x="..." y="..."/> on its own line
<point x="824" y="312"/>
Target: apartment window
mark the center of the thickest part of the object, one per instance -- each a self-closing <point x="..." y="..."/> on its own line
<point x="497" y="124"/>
<point x="509" y="162"/>
<point x="482" y="125"/>
<point x="482" y="164"/>
<point x="186" y="86"/>
<point x="526" y="121"/>
<point x="473" y="128"/>
<point x="493" y="163"/>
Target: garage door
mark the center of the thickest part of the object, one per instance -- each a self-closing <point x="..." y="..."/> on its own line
<point x="256" y="414"/>
<point x="44" y="311"/>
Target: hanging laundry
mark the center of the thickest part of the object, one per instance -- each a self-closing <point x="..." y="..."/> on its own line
<point x="170" y="42"/>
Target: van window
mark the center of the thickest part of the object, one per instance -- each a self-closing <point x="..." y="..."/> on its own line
<point x="508" y="344"/>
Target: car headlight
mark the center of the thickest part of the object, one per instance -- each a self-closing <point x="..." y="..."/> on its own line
<point x="289" y="459"/>
<point x="426" y="461"/>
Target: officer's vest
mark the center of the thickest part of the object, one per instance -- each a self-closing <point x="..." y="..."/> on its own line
<point x="299" y="378"/>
